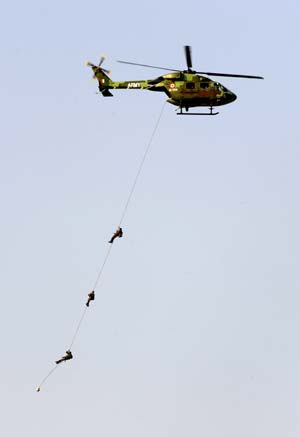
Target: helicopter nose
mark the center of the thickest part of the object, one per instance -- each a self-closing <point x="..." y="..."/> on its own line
<point x="231" y="96"/>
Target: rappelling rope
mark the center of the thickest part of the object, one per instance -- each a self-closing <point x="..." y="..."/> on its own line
<point x="125" y="209"/>
<point x="141" y="166"/>
<point x="102" y="266"/>
<point x="78" y="327"/>
<point x="45" y="379"/>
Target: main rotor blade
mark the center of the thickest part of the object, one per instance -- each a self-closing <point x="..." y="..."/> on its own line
<point x="244" y="76"/>
<point x="188" y="56"/>
<point x="197" y="72"/>
<point x="148" y="66"/>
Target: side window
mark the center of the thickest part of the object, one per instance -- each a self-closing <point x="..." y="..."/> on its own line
<point x="190" y="85"/>
<point x="204" y="85"/>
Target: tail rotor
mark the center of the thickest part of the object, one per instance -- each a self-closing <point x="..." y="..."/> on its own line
<point x="97" y="68"/>
<point x="101" y="74"/>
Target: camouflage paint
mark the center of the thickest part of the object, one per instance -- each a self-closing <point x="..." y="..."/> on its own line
<point x="183" y="89"/>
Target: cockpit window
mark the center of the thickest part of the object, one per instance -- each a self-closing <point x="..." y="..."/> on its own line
<point x="204" y="85"/>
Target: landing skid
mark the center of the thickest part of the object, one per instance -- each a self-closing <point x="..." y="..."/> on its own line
<point x="196" y="113"/>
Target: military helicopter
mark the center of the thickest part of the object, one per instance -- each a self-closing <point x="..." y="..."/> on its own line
<point x="185" y="88"/>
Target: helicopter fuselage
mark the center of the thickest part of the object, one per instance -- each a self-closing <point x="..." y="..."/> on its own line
<point x="183" y="89"/>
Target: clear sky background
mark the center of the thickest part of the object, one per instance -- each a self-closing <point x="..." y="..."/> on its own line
<point x="195" y="327"/>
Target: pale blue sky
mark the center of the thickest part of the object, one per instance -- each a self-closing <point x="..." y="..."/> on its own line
<point x="195" y="326"/>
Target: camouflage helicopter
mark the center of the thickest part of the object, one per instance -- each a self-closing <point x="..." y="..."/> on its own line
<point x="185" y="88"/>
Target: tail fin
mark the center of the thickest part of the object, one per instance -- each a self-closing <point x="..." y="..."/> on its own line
<point x="104" y="82"/>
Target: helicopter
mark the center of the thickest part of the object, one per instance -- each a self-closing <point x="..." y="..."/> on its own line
<point x="185" y="88"/>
